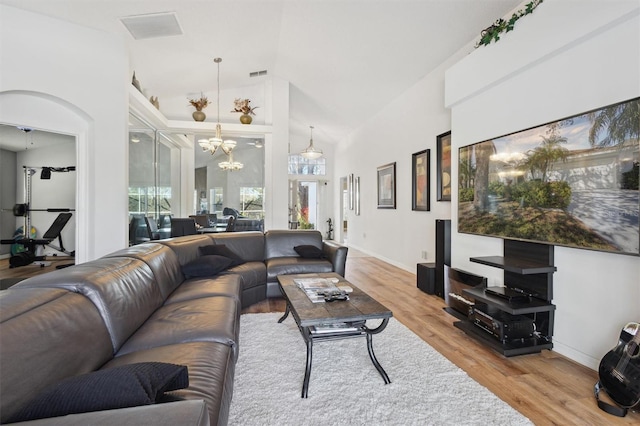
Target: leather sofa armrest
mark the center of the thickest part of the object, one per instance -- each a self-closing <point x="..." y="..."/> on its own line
<point x="336" y="254"/>
<point x="188" y="413"/>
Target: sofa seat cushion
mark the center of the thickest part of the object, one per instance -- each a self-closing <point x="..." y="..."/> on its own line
<point x="253" y="274"/>
<point x="295" y="265"/>
<point x="208" y="319"/>
<point x="211" y="368"/>
<point x="124" y="386"/>
<point x="229" y="285"/>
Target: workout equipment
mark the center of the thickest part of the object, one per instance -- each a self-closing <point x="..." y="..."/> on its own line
<point x="19" y="235"/>
<point x="24" y="246"/>
<point x="26" y="257"/>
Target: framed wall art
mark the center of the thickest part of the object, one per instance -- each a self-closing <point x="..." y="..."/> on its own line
<point x="443" y="143"/>
<point x="387" y="186"/>
<point x="420" y="181"/>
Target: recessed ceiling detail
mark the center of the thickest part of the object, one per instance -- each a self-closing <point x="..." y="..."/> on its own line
<point x="152" y="25"/>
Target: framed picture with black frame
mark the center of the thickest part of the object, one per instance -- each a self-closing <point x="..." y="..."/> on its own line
<point x="443" y="178"/>
<point x="387" y="186"/>
<point x="420" y="194"/>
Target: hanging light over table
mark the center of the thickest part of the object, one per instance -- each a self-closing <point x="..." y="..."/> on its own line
<point x="212" y="144"/>
<point x="311" y="153"/>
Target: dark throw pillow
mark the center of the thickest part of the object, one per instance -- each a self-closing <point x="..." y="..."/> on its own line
<point x="206" y="266"/>
<point x="119" y="387"/>
<point x="221" y="250"/>
<point x="308" y="251"/>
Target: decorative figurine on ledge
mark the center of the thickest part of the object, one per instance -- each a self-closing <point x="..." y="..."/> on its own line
<point x="330" y="229"/>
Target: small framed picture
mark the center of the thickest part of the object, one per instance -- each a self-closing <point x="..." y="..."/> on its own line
<point x="444" y="166"/>
<point x="387" y="186"/>
<point x="420" y="196"/>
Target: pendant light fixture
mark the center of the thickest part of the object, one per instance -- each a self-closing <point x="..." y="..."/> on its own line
<point x="230" y="165"/>
<point x="311" y="153"/>
<point x="212" y="144"/>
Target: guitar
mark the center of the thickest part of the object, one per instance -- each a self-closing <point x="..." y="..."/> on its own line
<point x="619" y="370"/>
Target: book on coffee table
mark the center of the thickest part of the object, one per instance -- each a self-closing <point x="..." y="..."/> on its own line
<point x="319" y="289"/>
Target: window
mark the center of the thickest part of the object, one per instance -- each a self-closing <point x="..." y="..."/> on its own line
<point x="298" y="165"/>
<point x="251" y="202"/>
<point x="216" y="196"/>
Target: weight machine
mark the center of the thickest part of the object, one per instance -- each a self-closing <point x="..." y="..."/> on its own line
<point x="24" y="209"/>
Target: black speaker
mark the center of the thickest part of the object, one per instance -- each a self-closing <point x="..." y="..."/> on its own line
<point x="443" y="253"/>
<point x="426" y="277"/>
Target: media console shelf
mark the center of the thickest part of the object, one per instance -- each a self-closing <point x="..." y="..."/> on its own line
<point x="528" y="267"/>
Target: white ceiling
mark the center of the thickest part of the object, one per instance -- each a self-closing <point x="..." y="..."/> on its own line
<point x="344" y="59"/>
<point x="14" y="139"/>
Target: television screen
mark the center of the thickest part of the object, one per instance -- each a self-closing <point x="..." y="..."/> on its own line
<point x="572" y="182"/>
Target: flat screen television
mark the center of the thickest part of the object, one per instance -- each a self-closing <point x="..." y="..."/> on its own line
<point x="571" y="182"/>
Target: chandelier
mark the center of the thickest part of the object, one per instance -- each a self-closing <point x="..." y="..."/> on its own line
<point x="230" y="165"/>
<point x="212" y="144"/>
<point x="311" y="153"/>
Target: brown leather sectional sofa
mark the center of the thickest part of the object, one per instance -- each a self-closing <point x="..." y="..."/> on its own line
<point x="137" y="306"/>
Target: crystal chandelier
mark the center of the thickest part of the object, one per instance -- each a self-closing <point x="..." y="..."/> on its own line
<point x="212" y="144"/>
<point x="311" y="153"/>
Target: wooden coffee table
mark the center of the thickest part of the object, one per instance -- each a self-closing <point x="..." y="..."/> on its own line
<point x="353" y="313"/>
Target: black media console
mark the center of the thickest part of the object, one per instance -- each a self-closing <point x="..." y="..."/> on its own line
<point x="509" y="324"/>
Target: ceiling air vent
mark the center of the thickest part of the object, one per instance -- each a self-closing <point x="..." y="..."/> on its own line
<point x="152" y="25"/>
<point x="258" y="73"/>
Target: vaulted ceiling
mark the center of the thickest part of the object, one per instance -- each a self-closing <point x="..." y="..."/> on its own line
<point x="344" y="59"/>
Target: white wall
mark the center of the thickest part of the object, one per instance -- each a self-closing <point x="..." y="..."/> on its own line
<point x="65" y="78"/>
<point x="408" y="125"/>
<point x="560" y="61"/>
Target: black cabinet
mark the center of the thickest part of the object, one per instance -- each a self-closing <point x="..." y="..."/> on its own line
<point x="528" y="269"/>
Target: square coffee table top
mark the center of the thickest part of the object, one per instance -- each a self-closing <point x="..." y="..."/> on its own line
<point x="359" y="307"/>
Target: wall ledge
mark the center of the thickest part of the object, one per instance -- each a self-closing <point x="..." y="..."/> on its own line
<point x="526" y="46"/>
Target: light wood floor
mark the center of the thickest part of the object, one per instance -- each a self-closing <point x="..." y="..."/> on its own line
<point x="547" y="388"/>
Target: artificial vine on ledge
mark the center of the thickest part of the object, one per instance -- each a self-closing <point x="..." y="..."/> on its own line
<point x="493" y="32"/>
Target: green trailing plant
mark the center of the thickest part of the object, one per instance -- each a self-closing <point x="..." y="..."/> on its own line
<point x="493" y="32"/>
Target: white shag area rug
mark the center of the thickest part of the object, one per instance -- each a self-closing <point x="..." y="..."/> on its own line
<point x="346" y="389"/>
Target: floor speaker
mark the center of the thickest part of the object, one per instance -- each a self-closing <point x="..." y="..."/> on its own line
<point x="443" y="253"/>
<point x="426" y="277"/>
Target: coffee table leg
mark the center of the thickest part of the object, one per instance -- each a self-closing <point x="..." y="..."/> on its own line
<point x="307" y="370"/>
<point x="370" y="332"/>
<point x="286" y="314"/>
<point x="374" y="360"/>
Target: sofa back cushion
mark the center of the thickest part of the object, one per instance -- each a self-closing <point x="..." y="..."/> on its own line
<point x="123" y="289"/>
<point x="248" y="245"/>
<point x="163" y="262"/>
<point x="187" y="248"/>
<point x="281" y="243"/>
<point x="46" y="335"/>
